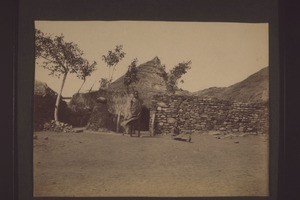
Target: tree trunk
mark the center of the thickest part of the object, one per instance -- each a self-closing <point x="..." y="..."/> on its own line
<point x="92" y="87"/>
<point x="81" y="85"/>
<point x="58" y="97"/>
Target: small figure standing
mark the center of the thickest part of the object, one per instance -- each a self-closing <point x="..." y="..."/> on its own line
<point x="132" y="121"/>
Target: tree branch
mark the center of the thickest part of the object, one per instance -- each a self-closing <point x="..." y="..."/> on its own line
<point x="47" y="59"/>
<point x="52" y="61"/>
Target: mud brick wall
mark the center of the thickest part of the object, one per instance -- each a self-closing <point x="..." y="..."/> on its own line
<point x="191" y="113"/>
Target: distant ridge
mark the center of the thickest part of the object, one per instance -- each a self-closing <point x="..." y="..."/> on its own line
<point x="255" y="88"/>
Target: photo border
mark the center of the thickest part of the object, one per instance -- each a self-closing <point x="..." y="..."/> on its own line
<point x="244" y="11"/>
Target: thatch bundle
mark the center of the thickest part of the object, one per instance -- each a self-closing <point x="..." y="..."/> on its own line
<point x="100" y="118"/>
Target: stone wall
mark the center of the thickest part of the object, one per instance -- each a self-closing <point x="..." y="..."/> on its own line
<point x="191" y="113"/>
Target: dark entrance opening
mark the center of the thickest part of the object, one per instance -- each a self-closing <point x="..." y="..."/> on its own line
<point x="145" y="118"/>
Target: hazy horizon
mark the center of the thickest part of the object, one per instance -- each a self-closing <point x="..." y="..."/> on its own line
<point x="222" y="54"/>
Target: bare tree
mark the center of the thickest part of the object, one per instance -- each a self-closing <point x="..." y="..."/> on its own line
<point x="60" y="58"/>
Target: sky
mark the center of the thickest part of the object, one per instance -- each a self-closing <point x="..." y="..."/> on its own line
<point x="222" y="54"/>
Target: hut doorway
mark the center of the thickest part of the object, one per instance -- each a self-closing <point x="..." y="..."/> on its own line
<point x="145" y="118"/>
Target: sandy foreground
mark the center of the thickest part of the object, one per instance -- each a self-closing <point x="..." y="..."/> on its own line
<point x="94" y="164"/>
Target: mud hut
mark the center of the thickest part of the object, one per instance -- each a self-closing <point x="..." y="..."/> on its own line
<point x="150" y="82"/>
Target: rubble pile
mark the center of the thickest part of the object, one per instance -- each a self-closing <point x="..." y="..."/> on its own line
<point x="44" y="104"/>
<point x="57" y="127"/>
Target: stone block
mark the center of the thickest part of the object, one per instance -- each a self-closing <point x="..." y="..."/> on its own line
<point x="171" y="120"/>
<point x="249" y="129"/>
<point x="241" y="129"/>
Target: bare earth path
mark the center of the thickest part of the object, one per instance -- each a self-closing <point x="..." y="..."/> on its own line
<point x="108" y="164"/>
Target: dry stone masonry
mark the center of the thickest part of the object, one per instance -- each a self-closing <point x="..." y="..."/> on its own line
<point x="191" y="113"/>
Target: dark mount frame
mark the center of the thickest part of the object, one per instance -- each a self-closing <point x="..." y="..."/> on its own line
<point x="244" y="11"/>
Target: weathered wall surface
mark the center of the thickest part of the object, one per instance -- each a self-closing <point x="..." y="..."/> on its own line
<point x="194" y="113"/>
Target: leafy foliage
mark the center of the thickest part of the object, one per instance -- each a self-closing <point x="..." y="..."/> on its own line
<point x="60" y="58"/>
<point x="112" y="58"/>
<point x="131" y="74"/>
<point x="164" y="73"/>
<point x="175" y="74"/>
<point x="104" y="82"/>
<point x="86" y="70"/>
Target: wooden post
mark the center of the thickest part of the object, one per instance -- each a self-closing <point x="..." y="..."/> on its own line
<point x="152" y="125"/>
<point x="118" y="121"/>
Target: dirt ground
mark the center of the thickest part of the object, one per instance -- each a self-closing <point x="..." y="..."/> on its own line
<point x="109" y="164"/>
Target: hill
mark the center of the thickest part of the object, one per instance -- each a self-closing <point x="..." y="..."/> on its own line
<point x="255" y="88"/>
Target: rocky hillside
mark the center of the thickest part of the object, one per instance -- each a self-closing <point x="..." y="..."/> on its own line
<point x="255" y="88"/>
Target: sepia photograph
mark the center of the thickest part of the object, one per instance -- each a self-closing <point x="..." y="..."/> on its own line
<point x="151" y="109"/>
